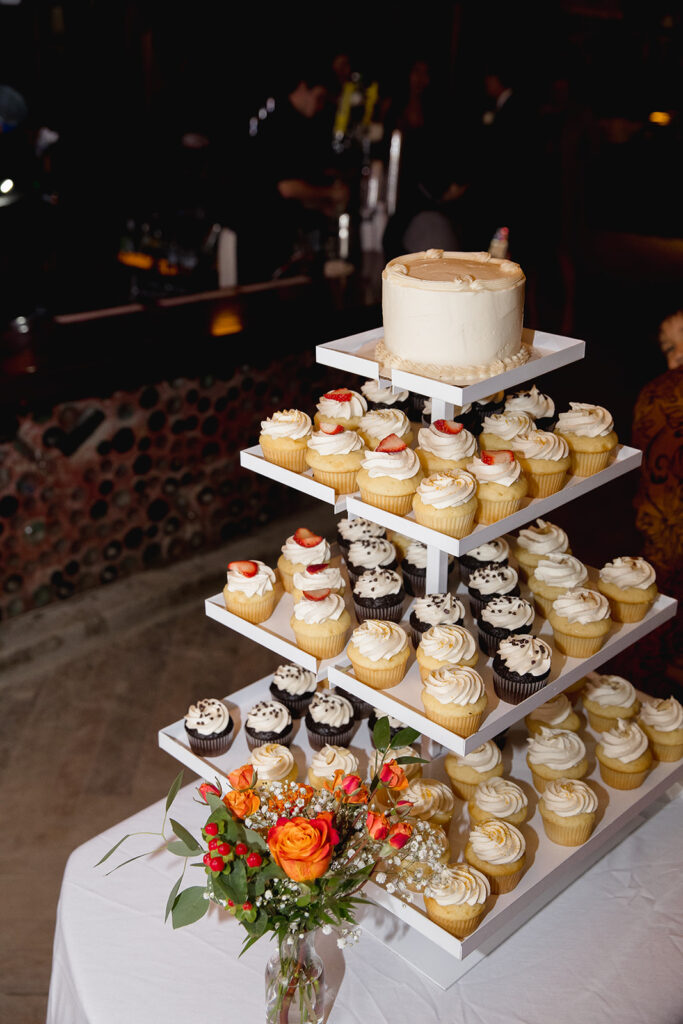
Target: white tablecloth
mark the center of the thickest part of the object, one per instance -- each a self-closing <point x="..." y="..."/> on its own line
<point x="608" y="949"/>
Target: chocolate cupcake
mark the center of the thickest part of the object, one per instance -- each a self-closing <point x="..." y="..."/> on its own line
<point x="416" y="405"/>
<point x="485" y="584"/>
<point x="374" y="553"/>
<point x="379" y="397"/>
<point x="330" y="719"/>
<point x="494" y="552"/>
<point x="379" y="594"/>
<point x="268" y="722"/>
<point x="502" y="617"/>
<point x="209" y="727"/>
<point x="521" y="667"/>
<point x="434" y="610"/>
<point x="535" y="404"/>
<point x="414" y="568"/>
<point x="349" y="530"/>
<point x="361" y="708"/>
<point x="294" y="687"/>
<point x="490" y="406"/>
<point x="395" y="725"/>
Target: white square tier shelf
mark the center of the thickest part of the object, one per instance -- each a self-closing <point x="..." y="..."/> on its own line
<point x="356" y="354"/>
<point x="252" y="459"/>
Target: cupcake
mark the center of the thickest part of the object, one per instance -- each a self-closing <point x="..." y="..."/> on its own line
<point x="443" y="445"/>
<point x="487" y="556"/>
<point x="430" y="800"/>
<point x="379" y="397"/>
<point x="623" y="755"/>
<point x="208" y="727"/>
<point x="301" y="549"/>
<point x="498" y="798"/>
<point x="502" y="617"/>
<point x="379" y="594"/>
<point x="395" y="726"/>
<point x="567" y="808"/>
<point x="454" y="696"/>
<point x="445" y="645"/>
<point x="662" y="723"/>
<point x="329" y="720"/>
<point x="447" y="502"/>
<point x="294" y="687"/>
<point x="373" y="553"/>
<point x="250" y="591"/>
<point x="320" y="625"/>
<point x="400" y="542"/>
<point x="498" y="850"/>
<point x="545" y="461"/>
<point x="341" y="407"/>
<point x="426" y="851"/>
<point x="414" y="568"/>
<point x="466" y="771"/>
<point x="607" y="698"/>
<point x="521" y="667"/>
<point x="268" y="722"/>
<point x="492" y="405"/>
<point x="349" y="530"/>
<point x="501" y="485"/>
<point x="580" y="622"/>
<point x="629" y="584"/>
<point x="589" y="432"/>
<point x="283" y="439"/>
<point x="380" y="423"/>
<point x="327" y="762"/>
<point x="556" y="713"/>
<point x="361" y="708"/>
<point x="334" y="455"/>
<point x="456" y="899"/>
<point x="486" y="584"/>
<point x="555" y="754"/>
<point x="316" y="578"/>
<point x="389" y="476"/>
<point x="273" y="763"/>
<point x="554" y="575"/>
<point x="534" y="542"/>
<point x="574" y="690"/>
<point x="499" y="430"/>
<point x="435" y="610"/>
<point x="539" y="407"/>
<point x="379" y="653"/>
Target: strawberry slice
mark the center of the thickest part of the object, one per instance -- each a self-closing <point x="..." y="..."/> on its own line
<point x="339" y="395"/>
<point x="448" y="426"/>
<point x="391" y="443"/>
<point x="331" y="428"/>
<point x="306" y="538"/>
<point x="316" y="595"/>
<point x="247" y="569"/>
<point x="498" y="458"/>
<point x="317" y="568"/>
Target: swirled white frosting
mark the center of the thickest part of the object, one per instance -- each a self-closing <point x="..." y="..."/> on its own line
<point x="624" y="742"/>
<point x="207" y="717"/>
<point x="447" y="446"/>
<point x="416" y="554"/>
<point x="581" y="605"/>
<point x="448" y="643"/>
<point x="506" y="425"/>
<point x="359" y="529"/>
<point x="497" y="842"/>
<point x="377" y="583"/>
<point x="325" y="579"/>
<point x="329" y="708"/>
<point x="299" y="555"/>
<point x="331" y="759"/>
<point x="493" y="551"/>
<point x="459" y="884"/>
<point x="663" y="715"/>
<point x="375" y="756"/>
<point x="269" y="716"/>
<point x="447" y="488"/>
<point x="535" y="404"/>
<point x="502" y="473"/>
<point x="291" y="423"/>
<point x="330" y="408"/>
<point x="331" y="607"/>
<point x="499" y="579"/>
<point x="543" y="538"/>
<point x="381" y="422"/>
<point x="557" y="749"/>
<point x="272" y="761"/>
<point x="429" y="797"/>
<point x="628" y="572"/>
<point x="376" y="639"/>
<point x="394" y="723"/>
<point x="585" y="420"/>
<point x="561" y="570"/>
<point x="371" y="553"/>
<point x="567" y="797"/>
<point x="540" y="444"/>
<point x="525" y="654"/>
<point x="482" y="759"/>
<point x="609" y="691"/>
<point x="374" y="392"/>
<point x="455" y="684"/>
<point x="335" y="444"/>
<point x="399" y="465"/>
<point x="500" y="797"/>
<point x="294" y="680"/>
<point x="259" y="584"/>
<point x="439" y="609"/>
<point x="553" y="712"/>
<point x="508" y="612"/>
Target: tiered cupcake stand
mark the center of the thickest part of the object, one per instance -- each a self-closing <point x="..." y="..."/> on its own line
<point x="407" y="929"/>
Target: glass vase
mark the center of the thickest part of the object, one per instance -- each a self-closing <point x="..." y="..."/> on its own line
<point x="295" y="982"/>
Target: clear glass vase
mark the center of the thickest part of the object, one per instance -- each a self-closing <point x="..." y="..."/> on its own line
<point x="295" y="982"/>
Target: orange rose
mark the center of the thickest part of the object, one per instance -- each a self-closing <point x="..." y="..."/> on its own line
<point x="303" y="847"/>
<point x="393" y="776"/>
<point x="361" y="796"/>
<point x="399" y="834"/>
<point x="377" y="825"/>
<point x="242" y="778"/>
<point x="242" y="802"/>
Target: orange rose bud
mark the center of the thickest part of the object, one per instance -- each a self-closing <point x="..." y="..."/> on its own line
<point x="242" y="802"/>
<point x="400" y="834"/>
<point x="303" y="847"/>
<point x="350" y="783"/>
<point x="242" y="778"/>
<point x="393" y="776"/>
<point x="361" y="796"/>
<point x="377" y="825"/>
<point x="336" y="781"/>
<point x="205" y="788"/>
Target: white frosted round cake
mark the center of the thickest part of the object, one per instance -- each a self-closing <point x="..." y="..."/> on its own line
<point x="454" y="316"/>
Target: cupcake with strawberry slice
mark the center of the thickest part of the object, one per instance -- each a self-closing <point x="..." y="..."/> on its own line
<point x="389" y="476"/>
<point x="318" y="577"/>
<point x="335" y="456"/>
<point x="251" y="590"/>
<point x="320" y="623"/>
<point x="303" y="548"/>
<point x="501" y="484"/>
<point x="340" y="406"/>
<point x="379" y="423"/>
<point x="445" y="444"/>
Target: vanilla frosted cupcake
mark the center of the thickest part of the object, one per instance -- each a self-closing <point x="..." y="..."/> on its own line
<point x="454" y="696"/>
<point x="379" y="652"/>
<point x="535" y="542"/>
<point x="498" y="798"/>
<point x="330" y="719"/>
<point x="492" y="554"/>
<point x="250" y="591"/>
<point x="624" y="755"/>
<point x="466" y="771"/>
<point x="447" y="501"/>
<point x="329" y="760"/>
<point x="379" y="397"/>
<point x="539" y="407"/>
<point x="555" y="754"/>
<point x="456" y="898"/>
<point x="445" y="444"/>
<point x="567" y="808"/>
<point x="435" y="610"/>
<point x="320" y="626"/>
<point x="556" y="713"/>
<point x="273" y="763"/>
<point x="294" y="687"/>
<point x="486" y="584"/>
<point x="379" y="594"/>
<point x="283" y="439"/>
<point x="502" y="617"/>
<point x="499" y="430"/>
<point x="315" y="578"/>
<point x="445" y="645"/>
<point x="335" y="456"/>
<point x="555" y="574"/>
<point x="607" y="698"/>
<point x="431" y="800"/>
<point x="589" y="432"/>
<point x="378" y="424"/>
<point x="662" y="723"/>
<point x="521" y="666"/>
<point x="629" y="584"/>
<point x="580" y="621"/>
<point x="372" y="553"/>
<point x="501" y="485"/>
<point x="425" y="853"/>
<point x="349" y="530"/>
<point x="340" y="406"/>
<point x="545" y="461"/>
<point x="498" y="850"/>
<point x="390" y="475"/>
<point x="301" y="549"/>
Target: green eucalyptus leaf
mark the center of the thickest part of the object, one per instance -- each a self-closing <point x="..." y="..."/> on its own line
<point x="175" y="786"/>
<point x="238" y="880"/>
<point x="185" y="836"/>
<point x="254" y="839"/>
<point x="113" y="849"/>
<point x="232" y="831"/>
<point x="180" y="849"/>
<point x="129" y="861"/>
<point x="404" y="737"/>
<point x="190" y="906"/>
<point x="410" y="760"/>
<point x="381" y="734"/>
<point x="172" y="898"/>
<point x="223" y="889"/>
<point x="215" y="802"/>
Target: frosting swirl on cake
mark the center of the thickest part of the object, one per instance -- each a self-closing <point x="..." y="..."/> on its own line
<point x="332" y="759"/>
<point x="447" y="489"/>
<point x="581" y="605"/>
<point x="557" y="749"/>
<point x="624" y="742"/>
<point x="446" y="446"/>
<point x="506" y="425"/>
<point x="331" y="709"/>
<point x="399" y="465"/>
<point x="561" y="570"/>
<point x="294" y="680"/>
<point x="535" y="404"/>
<point x="359" y="529"/>
<point x="493" y="579"/>
<point x="428" y="797"/>
<point x="375" y="583"/>
<point x="508" y="612"/>
<point x="459" y="884"/>
<point x="342" y="410"/>
<point x="628" y="572"/>
<point x="455" y="684"/>
<point x="331" y="607"/>
<point x="543" y="538"/>
<point x="272" y="761"/>
<point x="540" y="444"/>
<point x="609" y="691"/>
<point x="207" y="717"/>
<point x="525" y="654"/>
<point x="439" y="609"/>
<point x="448" y="643"/>
<point x="381" y="422"/>
<point x="482" y="759"/>
<point x="374" y="392"/>
<point x="663" y="715"/>
<point x="324" y="579"/>
<point x="500" y="797"/>
<point x="335" y="444"/>
<point x="371" y="553"/>
<point x="492" y="551"/>
<point x="290" y="423"/>
<point x="375" y="639"/>
<point x="502" y="473"/>
<point x="416" y="554"/>
<point x="497" y="842"/>
<point x="567" y="797"/>
<point x="260" y="583"/>
<point x="297" y="554"/>
<point x="585" y="420"/>
<point x="553" y="712"/>
<point x="268" y="716"/>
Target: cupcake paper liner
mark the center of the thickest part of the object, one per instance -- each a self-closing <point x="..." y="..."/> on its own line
<point x="578" y="646"/>
<point x="295" y="705"/>
<point x="416" y="637"/>
<point x="340" y="739"/>
<point x="488" y="644"/>
<point x="543" y="605"/>
<point x="253" y="609"/>
<point x="461" y="927"/>
<point x="257" y="741"/>
<point x="414" y="583"/>
<point x="449" y="521"/>
<point x="293" y="459"/>
<point x="568" y="833"/>
<point x="210" y="746"/>
<point x="588" y="463"/>
<point x="399" y="504"/>
<point x="492" y="511"/>
<point x="602" y="723"/>
<point x="623" y="611"/>
<point x="545" y="484"/>
<point x="342" y="483"/>
<point x="515" y="692"/>
<point x="379" y="678"/>
<point x="666" y="751"/>
<point x="361" y="709"/>
<point x="462" y="725"/>
<point x="388" y="613"/>
<point x="321" y="646"/>
<point x="621" y="780"/>
<point x="476" y="605"/>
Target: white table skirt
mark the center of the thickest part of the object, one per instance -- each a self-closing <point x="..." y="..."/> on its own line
<point x="608" y="949"/>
